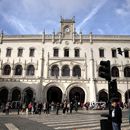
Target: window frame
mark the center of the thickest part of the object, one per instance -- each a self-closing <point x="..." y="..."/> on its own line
<point x="114" y="53"/>
<point x="20" y="54"/>
<point x="101" y="52"/>
<point x="8" y="52"/>
<point x="55" y="52"/>
<point x="66" y="52"/>
<point x="31" y="54"/>
<point x="77" y="52"/>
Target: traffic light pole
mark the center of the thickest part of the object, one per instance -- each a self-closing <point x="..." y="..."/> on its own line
<point x="109" y="103"/>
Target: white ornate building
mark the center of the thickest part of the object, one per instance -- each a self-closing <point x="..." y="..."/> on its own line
<point x="62" y="65"/>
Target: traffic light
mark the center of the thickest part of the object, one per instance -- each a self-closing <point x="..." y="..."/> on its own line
<point x="113" y="89"/>
<point x="104" y="70"/>
<point x="119" y="51"/>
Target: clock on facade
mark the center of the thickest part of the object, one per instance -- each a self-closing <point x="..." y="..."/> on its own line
<point x="67" y="29"/>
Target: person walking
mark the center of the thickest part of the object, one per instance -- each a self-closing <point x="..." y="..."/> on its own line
<point x="116" y="115"/>
<point x="71" y="107"/>
<point x="64" y="106"/>
<point x="29" y="108"/>
<point x="57" y="108"/>
<point x="7" y="107"/>
<point x="47" y="108"/>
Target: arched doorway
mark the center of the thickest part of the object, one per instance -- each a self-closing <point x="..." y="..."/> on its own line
<point x="16" y="95"/>
<point x="103" y="96"/>
<point x="3" y="95"/>
<point x="54" y="94"/>
<point x="127" y="96"/>
<point x="28" y="96"/>
<point x="78" y="94"/>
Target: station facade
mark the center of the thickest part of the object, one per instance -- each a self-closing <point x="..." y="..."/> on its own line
<point x="62" y="65"/>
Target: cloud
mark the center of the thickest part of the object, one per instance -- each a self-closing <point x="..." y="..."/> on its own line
<point x="124" y="10"/>
<point x="52" y="8"/>
<point x="20" y="25"/>
<point x="91" y="14"/>
<point x="100" y="31"/>
<point x="27" y="16"/>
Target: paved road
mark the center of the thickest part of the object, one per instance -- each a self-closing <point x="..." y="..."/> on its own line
<point x="14" y="122"/>
<point x="83" y="120"/>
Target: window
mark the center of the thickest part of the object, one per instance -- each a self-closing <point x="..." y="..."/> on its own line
<point x="101" y="52"/>
<point x="127" y="71"/>
<point x="76" y="71"/>
<point x="6" y="70"/>
<point x="55" y="52"/>
<point x="8" y="52"/>
<point x="115" y="72"/>
<point x="30" y="70"/>
<point x="66" y="52"/>
<point x="20" y="52"/>
<point x="65" y="70"/>
<point x="114" y="53"/>
<point x="32" y="52"/>
<point x="18" y="70"/>
<point x="77" y="54"/>
<point x="126" y="53"/>
<point x="55" y="71"/>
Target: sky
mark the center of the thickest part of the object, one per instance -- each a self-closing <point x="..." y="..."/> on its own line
<point x="103" y="17"/>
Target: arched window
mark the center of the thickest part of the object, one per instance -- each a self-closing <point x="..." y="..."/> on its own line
<point x="55" y="70"/>
<point x="30" y="70"/>
<point x="6" y="70"/>
<point x="65" y="70"/>
<point x="127" y="71"/>
<point x="115" y="71"/>
<point x="76" y="71"/>
<point x="18" y="70"/>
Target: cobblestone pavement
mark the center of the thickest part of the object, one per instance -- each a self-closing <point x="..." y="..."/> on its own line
<point x="82" y="120"/>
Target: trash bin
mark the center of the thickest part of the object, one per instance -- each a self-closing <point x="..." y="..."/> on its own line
<point x="106" y="124"/>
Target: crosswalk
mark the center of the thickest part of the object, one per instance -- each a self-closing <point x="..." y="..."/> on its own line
<point x="11" y="126"/>
<point x="76" y="121"/>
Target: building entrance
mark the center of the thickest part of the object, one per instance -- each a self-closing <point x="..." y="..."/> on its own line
<point x="28" y="96"/>
<point x="103" y="96"/>
<point x="54" y="94"/>
<point x="3" y="95"/>
<point x="78" y="94"/>
<point x="16" y="95"/>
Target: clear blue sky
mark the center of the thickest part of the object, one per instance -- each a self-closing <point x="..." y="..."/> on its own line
<point x="33" y="16"/>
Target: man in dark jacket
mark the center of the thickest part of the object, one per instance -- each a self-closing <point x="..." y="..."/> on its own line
<point x="116" y="115"/>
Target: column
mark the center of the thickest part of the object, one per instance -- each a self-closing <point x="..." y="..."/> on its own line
<point x="92" y="79"/>
<point x="40" y="98"/>
<point x="9" y="95"/>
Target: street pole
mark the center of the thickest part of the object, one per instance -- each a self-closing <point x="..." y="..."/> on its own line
<point x="128" y="100"/>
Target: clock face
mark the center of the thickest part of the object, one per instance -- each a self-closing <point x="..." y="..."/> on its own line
<point x="67" y="30"/>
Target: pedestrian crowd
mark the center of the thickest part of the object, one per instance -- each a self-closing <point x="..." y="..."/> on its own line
<point x="38" y="107"/>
